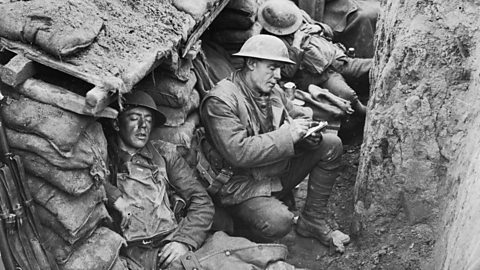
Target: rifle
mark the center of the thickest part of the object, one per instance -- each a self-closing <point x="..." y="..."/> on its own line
<point x="21" y="222"/>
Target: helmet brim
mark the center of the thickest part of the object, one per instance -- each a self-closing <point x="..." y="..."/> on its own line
<point x="159" y="118"/>
<point x="273" y="58"/>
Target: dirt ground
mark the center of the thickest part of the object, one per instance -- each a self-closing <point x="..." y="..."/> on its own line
<point x="394" y="246"/>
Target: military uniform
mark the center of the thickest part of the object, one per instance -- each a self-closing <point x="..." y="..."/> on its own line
<point x="353" y="21"/>
<point x="323" y="63"/>
<point x="146" y="180"/>
<point x="247" y="131"/>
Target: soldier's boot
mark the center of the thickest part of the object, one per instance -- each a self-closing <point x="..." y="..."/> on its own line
<point x="312" y="222"/>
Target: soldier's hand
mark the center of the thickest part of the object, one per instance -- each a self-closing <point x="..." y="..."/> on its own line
<point x="171" y="252"/>
<point x="298" y="128"/>
<point x="346" y="106"/>
<point x="314" y="139"/>
<point x="327" y="30"/>
<point x="121" y="205"/>
<point x="298" y="39"/>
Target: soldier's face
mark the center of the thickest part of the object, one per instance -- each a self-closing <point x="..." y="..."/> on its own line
<point x="135" y="126"/>
<point x="265" y="75"/>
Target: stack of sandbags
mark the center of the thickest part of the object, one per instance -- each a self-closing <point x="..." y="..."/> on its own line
<point x="177" y="98"/>
<point x="235" y="24"/>
<point x="64" y="156"/>
<point x="180" y="136"/>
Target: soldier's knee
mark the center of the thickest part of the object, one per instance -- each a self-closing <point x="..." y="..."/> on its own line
<point x="333" y="146"/>
<point x="278" y="224"/>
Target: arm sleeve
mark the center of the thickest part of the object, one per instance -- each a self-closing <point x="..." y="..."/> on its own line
<point x="199" y="216"/>
<point x="296" y="55"/>
<point x="235" y="141"/>
<point x="297" y="111"/>
<point x="112" y="192"/>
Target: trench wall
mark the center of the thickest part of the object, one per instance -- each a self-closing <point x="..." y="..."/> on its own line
<point x="421" y="152"/>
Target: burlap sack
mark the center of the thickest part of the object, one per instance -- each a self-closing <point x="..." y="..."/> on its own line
<point x="59" y="248"/>
<point x="177" y="116"/>
<point x="180" y="136"/>
<point x="90" y="150"/>
<point x="99" y="251"/>
<point x="221" y="251"/>
<point x="60" y="127"/>
<point x="74" y="182"/>
<point x="167" y="90"/>
<point x="196" y="8"/>
<point x="58" y="27"/>
<point x="72" y="212"/>
<point x="247" y="6"/>
<point x="232" y="20"/>
<point x="72" y="235"/>
<point x="236" y="36"/>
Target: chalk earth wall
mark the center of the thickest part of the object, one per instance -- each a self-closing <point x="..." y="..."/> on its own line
<point x="421" y="152"/>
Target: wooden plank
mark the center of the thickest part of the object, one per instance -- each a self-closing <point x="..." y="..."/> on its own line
<point x="60" y="97"/>
<point x="198" y="32"/>
<point x="17" y="70"/>
<point x="97" y="99"/>
<point x="37" y="56"/>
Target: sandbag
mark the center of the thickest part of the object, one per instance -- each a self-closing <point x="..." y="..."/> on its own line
<point x="221" y="251"/>
<point x="247" y="6"/>
<point x="59" y="248"/>
<point x="236" y="36"/>
<point x="60" y="127"/>
<point x="230" y="19"/>
<point x="74" y="182"/>
<point x="196" y="8"/>
<point x="98" y="215"/>
<point x="58" y="27"/>
<point x="177" y="116"/>
<point x="180" y="136"/>
<point x="72" y="212"/>
<point x="218" y="61"/>
<point x="166" y="90"/>
<point x="177" y="66"/>
<point x="99" y="251"/>
<point x="90" y="150"/>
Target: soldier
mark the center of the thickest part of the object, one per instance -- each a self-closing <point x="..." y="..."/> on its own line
<point x="319" y="61"/>
<point x="259" y="135"/>
<point x="144" y="175"/>
<point x="353" y="22"/>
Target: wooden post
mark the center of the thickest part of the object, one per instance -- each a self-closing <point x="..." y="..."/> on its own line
<point x="17" y="70"/>
<point x="60" y="97"/>
<point x="96" y="100"/>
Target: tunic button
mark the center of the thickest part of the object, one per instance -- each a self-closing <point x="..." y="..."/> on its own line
<point x="227" y="253"/>
<point x="189" y="257"/>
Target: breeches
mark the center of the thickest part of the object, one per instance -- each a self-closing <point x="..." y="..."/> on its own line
<point x="267" y="218"/>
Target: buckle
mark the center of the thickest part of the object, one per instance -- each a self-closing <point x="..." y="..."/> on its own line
<point x="147" y="242"/>
<point x="10" y="223"/>
<point x="224" y="176"/>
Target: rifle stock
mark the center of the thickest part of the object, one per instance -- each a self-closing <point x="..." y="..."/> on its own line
<point x="36" y="256"/>
<point x="7" y="256"/>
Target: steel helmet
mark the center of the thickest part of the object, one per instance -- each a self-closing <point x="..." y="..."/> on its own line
<point x="142" y="99"/>
<point x="280" y="17"/>
<point x="265" y="47"/>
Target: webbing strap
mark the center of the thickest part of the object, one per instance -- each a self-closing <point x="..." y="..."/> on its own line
<point x="190" y="261"/>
